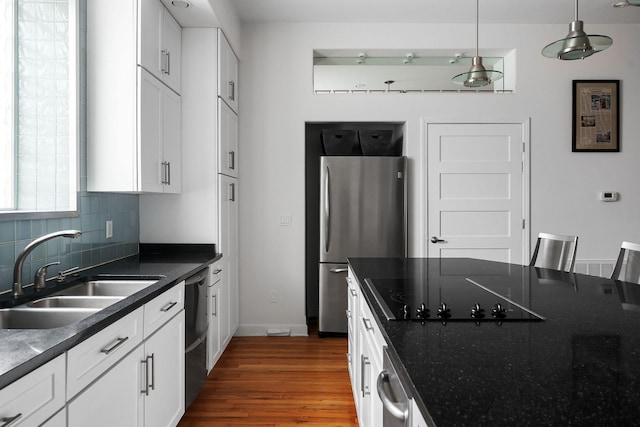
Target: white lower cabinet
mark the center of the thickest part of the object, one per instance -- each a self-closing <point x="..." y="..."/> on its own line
<point x="145" y="388"/>
<point x="367" y="343"/>
<point x="124" y="377"/>
<point x="115" y="399"/>
<point x="35" y="397"/>
<point x="163" y="371"/>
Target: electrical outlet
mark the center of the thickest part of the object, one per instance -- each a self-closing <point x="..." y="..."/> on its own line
<point x="109" y="229"/>
<point x="285" y="220"/>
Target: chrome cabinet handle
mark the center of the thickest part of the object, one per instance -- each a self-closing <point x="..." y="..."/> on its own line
<point x="338" y="270"/>
<point x="149" y="362"/>
<point x="348" y="313"/>
<point x="232" y="192"/>
<point x="168" y="63"/>
<point x="168" y="173"/>
<point x="169" y="306"/>
<point x="353" y="292"/>
<point x="232" y="90"/>
<point x="396" y="409"/>
<point x="118" y="343"/>
<point x="232" y="160"/>
<point x="9" y="421"/>
<point x="163" y="61"/>
<point x="163" y="178"/>
<point x="152" y="386"/>
<point x="215" y="306"/>
<point x="217" y="271"/>
<point x="366" y="390"/>
<point x="367" y="324"/>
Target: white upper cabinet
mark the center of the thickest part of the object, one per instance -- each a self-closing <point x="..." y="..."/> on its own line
<point x="160" y="49"/>
<point x="227" y="73"/>
<point x="134" y="118"/>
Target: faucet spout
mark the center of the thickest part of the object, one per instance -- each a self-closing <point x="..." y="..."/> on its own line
<point x="17" y="268"/>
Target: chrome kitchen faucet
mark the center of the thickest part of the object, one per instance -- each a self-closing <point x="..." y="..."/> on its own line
<point x="17" y="269"/>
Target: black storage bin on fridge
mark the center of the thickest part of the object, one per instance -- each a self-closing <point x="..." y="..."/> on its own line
<point x="378" y="143"/>
<point x="340" y="142"/>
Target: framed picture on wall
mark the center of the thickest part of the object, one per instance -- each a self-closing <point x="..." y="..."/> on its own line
<point x="596" y="115"/>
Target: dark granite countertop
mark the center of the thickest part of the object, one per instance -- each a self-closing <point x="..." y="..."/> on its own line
<point x="22" y="351"/>
<point x="580" y="366"/>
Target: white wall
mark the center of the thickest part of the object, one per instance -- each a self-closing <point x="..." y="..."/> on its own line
<point x="276" y="100"/>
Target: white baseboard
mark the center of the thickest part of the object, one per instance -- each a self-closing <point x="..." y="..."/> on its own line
<point x="261" y="330"/>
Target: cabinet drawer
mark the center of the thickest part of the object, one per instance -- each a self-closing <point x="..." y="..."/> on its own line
<point x="89" y="359"/>
<point x="36" y="396"/>
<point x="161" y="309"/>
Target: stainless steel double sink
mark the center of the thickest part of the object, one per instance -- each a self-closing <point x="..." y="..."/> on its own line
<point x="72" y="304"/>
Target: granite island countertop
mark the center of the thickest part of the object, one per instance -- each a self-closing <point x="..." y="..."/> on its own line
<point x="580" y="366"/>
<point x="24" y="350"/>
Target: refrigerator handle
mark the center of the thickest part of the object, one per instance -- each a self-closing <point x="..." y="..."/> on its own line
<point x="327" y="210"/>
<point x="338" y="270"/>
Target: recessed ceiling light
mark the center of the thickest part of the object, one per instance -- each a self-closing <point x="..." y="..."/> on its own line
<point x="182" y="4"/>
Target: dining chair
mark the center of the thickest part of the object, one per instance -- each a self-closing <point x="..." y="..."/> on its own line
<point x="555" y="251"/>
<point x="630" y="251"/>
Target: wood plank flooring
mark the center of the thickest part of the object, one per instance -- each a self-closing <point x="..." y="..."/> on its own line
<point x="277" y="382"/>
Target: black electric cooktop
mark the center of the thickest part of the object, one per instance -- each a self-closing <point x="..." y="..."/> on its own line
<point x="457" y="299"/>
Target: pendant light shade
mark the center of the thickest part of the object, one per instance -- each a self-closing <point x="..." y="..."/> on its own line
<point x="477" y="76"/>
<point x="577" y="44"/>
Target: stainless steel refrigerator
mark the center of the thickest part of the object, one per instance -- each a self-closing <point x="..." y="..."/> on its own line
<point x="362" y="214"/>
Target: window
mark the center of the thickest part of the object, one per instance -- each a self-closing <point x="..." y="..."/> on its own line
<point x="38" y="106"/>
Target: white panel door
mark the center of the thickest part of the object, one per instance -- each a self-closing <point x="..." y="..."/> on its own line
<point x="476" y="191"/>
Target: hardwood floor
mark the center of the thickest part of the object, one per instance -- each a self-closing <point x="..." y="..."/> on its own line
<point x="277" y="381"/>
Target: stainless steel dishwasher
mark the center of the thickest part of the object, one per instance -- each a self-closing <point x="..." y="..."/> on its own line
<point x="196" y="326"/>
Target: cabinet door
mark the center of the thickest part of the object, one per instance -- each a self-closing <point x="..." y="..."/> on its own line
<point x="228" y="230"/>
<point x="227" y="73"/>
<point x="113" y="400"/>
<point x="227" y="140"/>
<point x="150" y="16"/>
<point x="171" y="51"/>
<point x="163" y="371"/>
<point x="417" y="420"/>
<point x="172" y="141"/>
<point x="150" y="113"/>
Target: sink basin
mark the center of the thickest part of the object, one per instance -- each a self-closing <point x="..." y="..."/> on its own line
<point x="107" y="288"/>
<point x="43" y="318"/>
<point x="74" y="302"/>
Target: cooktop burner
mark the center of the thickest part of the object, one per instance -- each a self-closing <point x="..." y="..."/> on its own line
<point x="460" y="299"/>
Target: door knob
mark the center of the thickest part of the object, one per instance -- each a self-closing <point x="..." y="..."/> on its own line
<point x="434" y="239"/>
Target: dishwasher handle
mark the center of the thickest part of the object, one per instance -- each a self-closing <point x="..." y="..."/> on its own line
<point x="398" y="410"/>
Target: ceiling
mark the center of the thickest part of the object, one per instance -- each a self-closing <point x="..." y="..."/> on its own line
<point x="432" y="11"/>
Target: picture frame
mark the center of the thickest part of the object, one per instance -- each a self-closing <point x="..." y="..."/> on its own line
<point x="596" y="116"/>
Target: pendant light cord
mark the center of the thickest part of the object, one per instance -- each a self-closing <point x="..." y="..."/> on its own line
<point x="478" y="24"/>
<point x="576" y="10"/>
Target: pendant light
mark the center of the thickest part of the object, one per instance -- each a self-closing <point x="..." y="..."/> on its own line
<point x="577" y="44"/>
<point x="477" y="76"/>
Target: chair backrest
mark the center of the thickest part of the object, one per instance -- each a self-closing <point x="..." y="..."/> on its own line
<point x="555" y="251"/>
<point x="630" y="251"/>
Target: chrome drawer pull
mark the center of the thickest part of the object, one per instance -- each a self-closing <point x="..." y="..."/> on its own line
<point x="367" y="324"/>
<point x="9" y="421"/>
<point x="117" y="344"/>
<point x="168" y="306"/>
<point x="217" y="271"/>
<point x="353" y="292"/>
